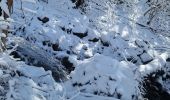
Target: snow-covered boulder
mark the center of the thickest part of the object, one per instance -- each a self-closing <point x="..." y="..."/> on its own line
<point x="36" y="56"/>
<point x="146" y="58"/>
<point x="19" y="81"/>
<point x="104" y="76"/>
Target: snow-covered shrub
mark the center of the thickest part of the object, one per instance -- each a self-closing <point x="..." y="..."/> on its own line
<point x="4" y="29"/>
<point x="158" y="15"/>
<point x="7" y="72"/>
<point x="154" y="85"/>
<point x="4" y="23"/>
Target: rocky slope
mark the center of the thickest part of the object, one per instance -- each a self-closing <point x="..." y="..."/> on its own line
<point x="86" y="50"/>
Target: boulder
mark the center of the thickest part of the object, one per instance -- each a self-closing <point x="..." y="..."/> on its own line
<point x="146" y="58"/>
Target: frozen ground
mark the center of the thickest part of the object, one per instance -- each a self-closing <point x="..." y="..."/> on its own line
<point x="104" y="48"/>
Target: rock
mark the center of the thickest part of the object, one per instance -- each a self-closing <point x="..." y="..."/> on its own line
<point x="168" y="60"/>
<point x="80" y="35"/>
<point x="67" y="64"/>
<point x="132" y="59"/>
<point x="55" y="47"/>
<point x="45" y="43"/>
<point x="38" y="57"/>
<point x="142" y="44"/>
<point x="145" y="58"/>
<point x="15" y="54"/>
<point x="43" y="20"/>
<point x="78" y="2"/>
<point x="105" y="43"/>
<point x="68" y="30"/>
<point x="94" y="40"/>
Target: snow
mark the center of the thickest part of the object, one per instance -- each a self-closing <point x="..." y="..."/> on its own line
<point x="3" y="6"/>
<point x="1" y="72"/>
<point x="32" y="1"/>
<point x="106" y="75"/>
<point x="31" y="82"/>
<point x="156" y="64"/>
<point x="108" y="68"/>
<point x="35" y="83"/>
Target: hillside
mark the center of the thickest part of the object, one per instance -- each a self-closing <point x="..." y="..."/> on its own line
<point x="87" y="50"/>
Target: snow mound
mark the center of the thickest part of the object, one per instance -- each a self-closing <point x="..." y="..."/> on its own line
<point x="99" y="77"/>
<point x="19" y="81"/>
<point x="158" y="63"/>
<point x="104" y="76"/>
<point x="33" y="84"/>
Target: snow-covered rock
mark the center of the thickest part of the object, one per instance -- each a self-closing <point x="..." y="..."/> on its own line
<point x="146" y="58"/>
<point x="100" y="37"/>
<point x="104" y="76"/>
